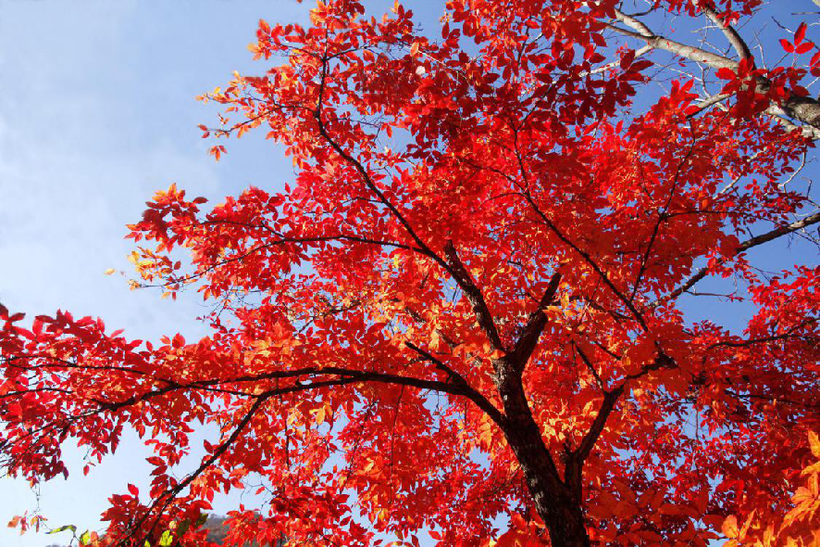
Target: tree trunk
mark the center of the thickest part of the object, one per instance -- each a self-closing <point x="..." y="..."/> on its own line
<point x="555" y="502"/>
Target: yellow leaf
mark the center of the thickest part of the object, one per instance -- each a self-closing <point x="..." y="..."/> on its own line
<point x="814" y="442"/>
<point x="813" y="468"/>
<point x="746" y="525"/>
<point x="110" y="271"/>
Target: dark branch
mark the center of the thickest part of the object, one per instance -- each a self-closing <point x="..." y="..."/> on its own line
<point x="170" y="495"/>
<point x="764" y="339"/>
<point x="588" y="259"/>
<point x="345" y="376"/>
<point x="473" y="294"/>
<point x="589" y="366"/>
<point x="536" y="322"/>
<point x="597" y="427"/>
<point x="746" y="245"/>
<point x="460" y="275"/>
<point x="470" y="392"/>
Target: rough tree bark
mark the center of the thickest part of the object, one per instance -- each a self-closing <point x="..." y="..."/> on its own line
<point x="554" y="500"/>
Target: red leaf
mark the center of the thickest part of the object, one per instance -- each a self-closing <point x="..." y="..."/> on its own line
<point x="800" y="34"/>
<point x="800" y="91"/>
<point x="726" y="74"/>
<point x="627" y="59"/>
<point x="787" y="45"/>
<point x="217" y="151"/>
<point x="804" y="47"/>
<point x="640" y="65"/>
<point x="133" y="489"/>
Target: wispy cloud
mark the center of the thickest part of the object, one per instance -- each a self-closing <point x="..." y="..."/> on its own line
<point x="97" y="112"/>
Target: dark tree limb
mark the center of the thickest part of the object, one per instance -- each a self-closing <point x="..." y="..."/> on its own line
<point x="474" y="296"/>
<point x="458" y="380"/>
<point x="536" y="322"/>
<point x="573" y="473"/>
<point x="170" y="495"/>
<point x="745" y="246"/>
<point x="452" y="264"/>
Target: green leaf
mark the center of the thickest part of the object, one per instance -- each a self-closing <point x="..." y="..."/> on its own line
<point x="203" y="518"/>
<point x="85" y="539"/>
<point x="183" y="527"/>
<point x="63" y="529"/>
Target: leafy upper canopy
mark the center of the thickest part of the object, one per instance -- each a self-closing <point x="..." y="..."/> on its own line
<point x="482" y="205"/>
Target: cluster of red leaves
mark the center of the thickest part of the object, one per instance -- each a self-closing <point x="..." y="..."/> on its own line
<point x="800" y="526"/>
<point x="350" y="371"/>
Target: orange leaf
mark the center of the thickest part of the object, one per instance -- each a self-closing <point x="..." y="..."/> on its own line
<point x="729" y="527"/>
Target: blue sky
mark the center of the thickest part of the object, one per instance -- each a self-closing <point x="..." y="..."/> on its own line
<point x="97" y="111"/>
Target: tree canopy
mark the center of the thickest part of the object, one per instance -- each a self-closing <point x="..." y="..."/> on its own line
<point x="469" y="302"/>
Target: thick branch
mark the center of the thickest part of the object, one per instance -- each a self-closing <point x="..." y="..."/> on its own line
<point x="804" y="109"/>
<point x="573" y="472"/>
<point x="458" y="380"/>
<point x="473" y="294"/>
<point x="597" y="427"/>
<point x="734" y="38"/>
<point x="536" y="322"/>
<point x="643" y="33"/>
<point x="575" y="463"/>
<point x="345" y="376"/>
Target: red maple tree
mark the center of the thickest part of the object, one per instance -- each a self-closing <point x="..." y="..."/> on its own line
<point x="468" y="303"/>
